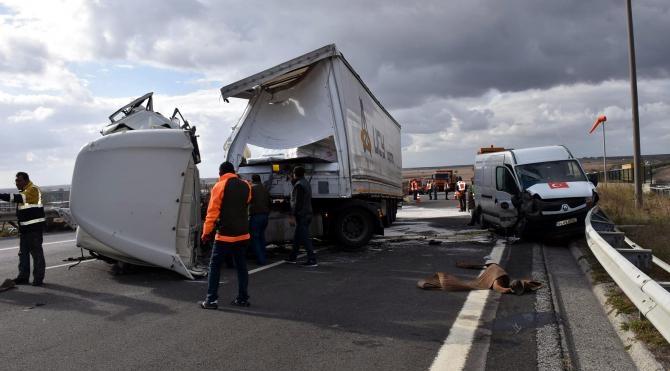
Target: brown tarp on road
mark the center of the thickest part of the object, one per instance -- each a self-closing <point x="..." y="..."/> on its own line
<point x="493" y="277"/>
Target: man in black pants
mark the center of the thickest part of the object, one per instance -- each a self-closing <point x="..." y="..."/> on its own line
<point x="227" y="223"/>
<point x="30" y="215"/>
<point x="301" y="217"/>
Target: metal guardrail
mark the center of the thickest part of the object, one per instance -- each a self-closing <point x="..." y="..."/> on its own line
<point x="663" y="190"/>
<point x="61" y="215"/>
<point x="650" y="298"/>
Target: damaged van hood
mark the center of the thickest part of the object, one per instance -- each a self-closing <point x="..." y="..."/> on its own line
<point x="555" y="190"/>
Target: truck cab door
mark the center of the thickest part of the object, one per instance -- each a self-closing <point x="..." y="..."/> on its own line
<point x="506" y="188"/>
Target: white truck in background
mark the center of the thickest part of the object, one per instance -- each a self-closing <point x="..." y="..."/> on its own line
<point x="316" y="112"/>
<point x="136" y="190"/>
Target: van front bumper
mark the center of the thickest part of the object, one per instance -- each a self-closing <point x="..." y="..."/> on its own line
<point x="559" y="224"/>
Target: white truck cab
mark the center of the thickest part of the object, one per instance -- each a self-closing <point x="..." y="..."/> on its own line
<point x="532" y="189"/>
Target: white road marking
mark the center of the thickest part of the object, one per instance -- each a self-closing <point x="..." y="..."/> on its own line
<point x="454" y="351"/>
<point x="67" y="264"/>
<point x="260" y="268"/>
<point x="45" y="243"/>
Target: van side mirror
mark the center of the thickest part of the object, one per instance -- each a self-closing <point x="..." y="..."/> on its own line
<point x="593" y="178"/>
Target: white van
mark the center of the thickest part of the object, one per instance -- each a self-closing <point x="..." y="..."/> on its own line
<point x="532" y="189"/>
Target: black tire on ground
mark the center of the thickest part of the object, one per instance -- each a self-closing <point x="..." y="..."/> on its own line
<point x="353" y="228"/>
<point x="388" y="215"/>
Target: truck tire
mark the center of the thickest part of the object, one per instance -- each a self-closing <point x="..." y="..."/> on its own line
<point x="388" y="215"/>
<point x="353" y="228"/>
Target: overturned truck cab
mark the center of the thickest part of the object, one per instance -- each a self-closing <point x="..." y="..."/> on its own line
<point x="135" y="190"/>
<point x="315" y="111"/>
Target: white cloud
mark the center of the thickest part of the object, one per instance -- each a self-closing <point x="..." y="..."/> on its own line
<point x="559" y="115"/>
<point x="38" y="114"/>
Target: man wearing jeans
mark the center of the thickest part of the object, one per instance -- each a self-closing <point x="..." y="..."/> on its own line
<point x="227" y="215"/>
<point x="30" y="215"/>
<point x="258" y="217"/>
<point x="301" y="217"/>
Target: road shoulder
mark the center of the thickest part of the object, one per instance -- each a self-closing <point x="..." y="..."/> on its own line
<point x="639" y="353"/>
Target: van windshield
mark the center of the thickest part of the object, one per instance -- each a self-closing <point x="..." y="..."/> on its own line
<point x="552" y="171"/>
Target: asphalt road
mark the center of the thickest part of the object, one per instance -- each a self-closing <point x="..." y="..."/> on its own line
<point x="356" y="311"/>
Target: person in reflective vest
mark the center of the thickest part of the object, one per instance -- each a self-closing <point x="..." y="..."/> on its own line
<point x="227" y="222"/>
<point x="31" y="219"/>
<point x="461" y="187"/>
<point x="414" y="187"/>
<point x="429" y="189"/>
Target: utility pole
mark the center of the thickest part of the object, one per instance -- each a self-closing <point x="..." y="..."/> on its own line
<point x="636" y="118"/>
<point x="604" y="156"/>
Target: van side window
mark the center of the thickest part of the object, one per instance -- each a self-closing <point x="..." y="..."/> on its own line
<point x="505" y="181"/>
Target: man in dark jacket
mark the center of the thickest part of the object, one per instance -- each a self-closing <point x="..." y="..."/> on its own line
<point x="259" y="209"/>
<point x="301" y="217"/>
<point x="227" y="216"/>
<point x="30" y="215"/>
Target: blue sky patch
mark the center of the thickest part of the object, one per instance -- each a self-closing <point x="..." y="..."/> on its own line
<point x="122" y="79"/>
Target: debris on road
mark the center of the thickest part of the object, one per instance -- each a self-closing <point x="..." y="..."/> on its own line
<point x="493" y="277"/>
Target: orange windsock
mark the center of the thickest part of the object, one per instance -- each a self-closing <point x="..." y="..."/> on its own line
<point x="599" y="121"/>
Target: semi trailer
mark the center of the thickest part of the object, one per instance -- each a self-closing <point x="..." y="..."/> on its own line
<point x="315" y="111"/>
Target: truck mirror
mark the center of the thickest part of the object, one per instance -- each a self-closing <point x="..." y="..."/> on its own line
<point x="593" y="178"/>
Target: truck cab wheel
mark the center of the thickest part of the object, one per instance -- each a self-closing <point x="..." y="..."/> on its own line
<point x="353" y="228"/>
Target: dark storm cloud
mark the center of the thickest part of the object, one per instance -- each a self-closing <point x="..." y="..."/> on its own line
<point x="406" y="51"/>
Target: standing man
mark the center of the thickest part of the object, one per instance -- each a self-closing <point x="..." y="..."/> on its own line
<point x="30" y="215"/>
<point x="462" y="193"/>
<point x="429" y="189"/>
<point x="414" y="186"/>
<point x="258" y="217"/>
<point x="435" y="190"/>
<point x="301" y="217"/>
<point x="228" y="217"/>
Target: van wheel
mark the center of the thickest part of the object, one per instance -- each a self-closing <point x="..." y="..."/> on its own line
<point x="353" y="228"/>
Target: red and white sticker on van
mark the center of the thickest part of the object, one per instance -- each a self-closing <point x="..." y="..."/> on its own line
<point x="555" y="185"/>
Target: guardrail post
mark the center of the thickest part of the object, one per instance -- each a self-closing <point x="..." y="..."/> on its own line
<point x="641" y="258"/>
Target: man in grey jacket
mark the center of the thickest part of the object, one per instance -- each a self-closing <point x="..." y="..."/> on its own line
<point x="259" y="209"/>
<point x="301" y="217"/>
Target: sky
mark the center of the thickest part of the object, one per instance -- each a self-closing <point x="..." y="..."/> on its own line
<point x="457" y="75"/>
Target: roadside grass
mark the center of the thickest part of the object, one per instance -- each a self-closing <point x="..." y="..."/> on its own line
<point x="648" y="227"/>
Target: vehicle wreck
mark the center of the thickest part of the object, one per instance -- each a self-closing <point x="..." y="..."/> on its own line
<point x="135" y="190"/>
<point x="533" y="190"/>
<point x="316" y="112"/>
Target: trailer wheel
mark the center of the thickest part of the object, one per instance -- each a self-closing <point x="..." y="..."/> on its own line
<point x="353" y="228"/>
<point x="388" y="219"/>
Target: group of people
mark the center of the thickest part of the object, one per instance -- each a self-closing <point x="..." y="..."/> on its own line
<point x="462" y="192"/>
<point x="237" y="213"/>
